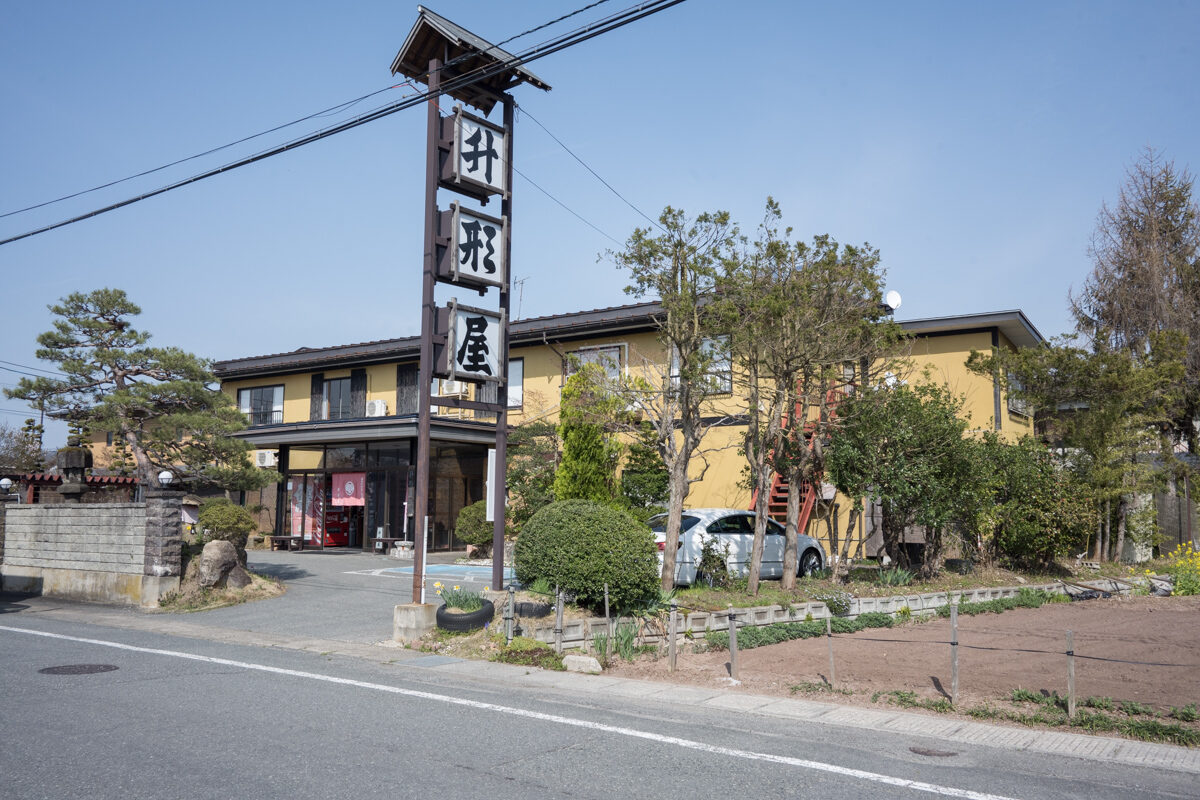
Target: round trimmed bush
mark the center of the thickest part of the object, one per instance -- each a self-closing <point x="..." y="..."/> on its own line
<point x="579" y="546"/>
<point x="471" y="527"/>
<point x="221" y="519"/>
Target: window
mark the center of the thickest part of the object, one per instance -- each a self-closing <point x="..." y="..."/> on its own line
<point x="718" y="366"/>
<point x="262" y="405"/>
<point x="335" y="399"/>
<point x="608" y="357"/>
<point x="516" y="382"/>
<point x="1016" y="405"/>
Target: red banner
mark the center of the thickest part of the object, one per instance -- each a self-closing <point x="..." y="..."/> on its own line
<point x="349" y="488"/>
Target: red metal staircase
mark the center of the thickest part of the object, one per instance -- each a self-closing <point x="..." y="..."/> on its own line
<point x="777" y="499"/>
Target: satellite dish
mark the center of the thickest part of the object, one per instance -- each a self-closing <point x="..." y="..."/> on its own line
<point x="892" y="299"/>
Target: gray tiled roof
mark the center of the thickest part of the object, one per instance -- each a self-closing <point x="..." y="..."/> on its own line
<point x="564" y="327"/>
<point x="557" y="327"/>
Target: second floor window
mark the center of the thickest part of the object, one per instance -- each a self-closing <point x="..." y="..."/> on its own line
<point x="516" y="382"/>
<point x="607" y="358"/>
<point x="335" y="401"/>
<point x="262" y="405"/>
<point x="718" y="366"/>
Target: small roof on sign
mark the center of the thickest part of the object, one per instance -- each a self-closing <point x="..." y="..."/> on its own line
<point x="434" y="36"/>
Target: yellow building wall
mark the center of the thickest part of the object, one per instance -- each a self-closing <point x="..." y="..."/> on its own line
<point x="942" y="359"/>
<point x="937" y="358"/>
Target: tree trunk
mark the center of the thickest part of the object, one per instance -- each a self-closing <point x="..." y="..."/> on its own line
<point x="791" y="532"/>
<point x="678" y="489"/>
<point x="1122" y="520"/>
<point x="763" y="496"/>
<point x="893" y="535"/>
<point x="1104" y="551"/>
<point x="851" y="523"/>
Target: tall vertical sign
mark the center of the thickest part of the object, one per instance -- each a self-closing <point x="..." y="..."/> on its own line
<point x="470" y="250"/>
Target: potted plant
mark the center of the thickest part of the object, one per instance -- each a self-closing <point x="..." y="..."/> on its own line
<point x="462" y="610"/>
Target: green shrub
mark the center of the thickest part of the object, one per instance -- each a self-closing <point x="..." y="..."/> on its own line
<point x="897" y="576"/>
<point x="580" y="546"/>
<point x="471" y="528"/>
<point x="837" y="601"/>
<point x="757" y="636"/>
<point x="219" y="519"/>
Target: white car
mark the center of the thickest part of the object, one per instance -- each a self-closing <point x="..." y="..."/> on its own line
<point x="732" y="532"/>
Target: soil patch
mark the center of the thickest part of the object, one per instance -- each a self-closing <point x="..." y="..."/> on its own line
<point x="1142" y="649"/>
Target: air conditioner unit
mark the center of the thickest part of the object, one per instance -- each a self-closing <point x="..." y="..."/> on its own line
<point x="377" y="408"/>
<point x="265" y="458"/>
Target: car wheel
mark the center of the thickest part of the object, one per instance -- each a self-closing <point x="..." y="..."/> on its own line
<point x="810" y="563"/>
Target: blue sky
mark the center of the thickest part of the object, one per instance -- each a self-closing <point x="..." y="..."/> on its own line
<point x="973" y="144"/>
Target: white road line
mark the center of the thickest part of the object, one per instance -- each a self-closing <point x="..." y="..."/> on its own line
<point x="933" y="788"/>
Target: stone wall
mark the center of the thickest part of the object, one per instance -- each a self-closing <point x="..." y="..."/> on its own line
<point x="101" y="552"/>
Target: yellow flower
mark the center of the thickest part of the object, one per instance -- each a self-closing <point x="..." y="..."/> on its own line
<point x="486" y="589"/>
<point x="438" y="584"/>
<point x="456" y="588"/>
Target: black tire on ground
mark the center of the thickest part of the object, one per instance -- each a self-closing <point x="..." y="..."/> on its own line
<point x="533" y="609"/>
<point x="470" y="621"/>
<point x="810" y="562"/>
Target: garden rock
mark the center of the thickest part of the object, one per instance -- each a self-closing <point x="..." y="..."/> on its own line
<point x="219" y="568"/>
<point x="585" y="664"/>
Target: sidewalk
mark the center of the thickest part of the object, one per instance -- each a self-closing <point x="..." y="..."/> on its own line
<point x="336" y="604"/>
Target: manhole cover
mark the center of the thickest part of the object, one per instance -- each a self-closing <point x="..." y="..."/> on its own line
<point x="925" y="751"/>
<point x="78" y="669"/>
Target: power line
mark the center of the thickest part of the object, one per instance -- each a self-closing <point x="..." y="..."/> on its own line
<point x="568" y="208"/>
<point x="323" y="113"/>
<point x="23" y="372"/>
<point x="35" y="369"/>
<point x="244" y="139"/>
<point x="577" y="36"/>
<point x="589" y="169"/>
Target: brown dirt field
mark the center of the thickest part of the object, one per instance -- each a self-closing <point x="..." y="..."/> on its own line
<point x="1143" y="649"/>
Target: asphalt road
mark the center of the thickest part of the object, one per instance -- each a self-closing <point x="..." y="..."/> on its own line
<point x="188" y="717"/>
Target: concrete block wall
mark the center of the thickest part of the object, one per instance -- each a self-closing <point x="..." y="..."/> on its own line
<point x="127" y="553"/>
<point x="97" y="536"/>
<point x="580" y="633"/>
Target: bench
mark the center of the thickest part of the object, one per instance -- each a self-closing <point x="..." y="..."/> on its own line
<point x="384" y="544"/>
<point x="286" y="542"/>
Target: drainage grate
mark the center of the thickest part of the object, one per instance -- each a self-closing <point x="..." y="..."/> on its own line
<point x="78" y="669"/>
<point x="925" y="751"/>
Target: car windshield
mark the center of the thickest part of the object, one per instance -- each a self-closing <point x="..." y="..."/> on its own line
<point x="658" y="523"/>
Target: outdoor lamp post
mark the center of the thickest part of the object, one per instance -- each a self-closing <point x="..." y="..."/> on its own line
<point x="6" y="485"/>
<point x="165" y="478"/>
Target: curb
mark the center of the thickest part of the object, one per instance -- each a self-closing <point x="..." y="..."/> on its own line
<point x="1077" y="745"/>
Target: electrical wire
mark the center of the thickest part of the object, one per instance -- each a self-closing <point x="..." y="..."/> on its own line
<point x="35" y="369"/>
<point x="566" y="207"/>
<point x="569" y="209"/>
<point x="326" y="112"/>
<point x="607" y="185"/>
<point x="570" y="39"/>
